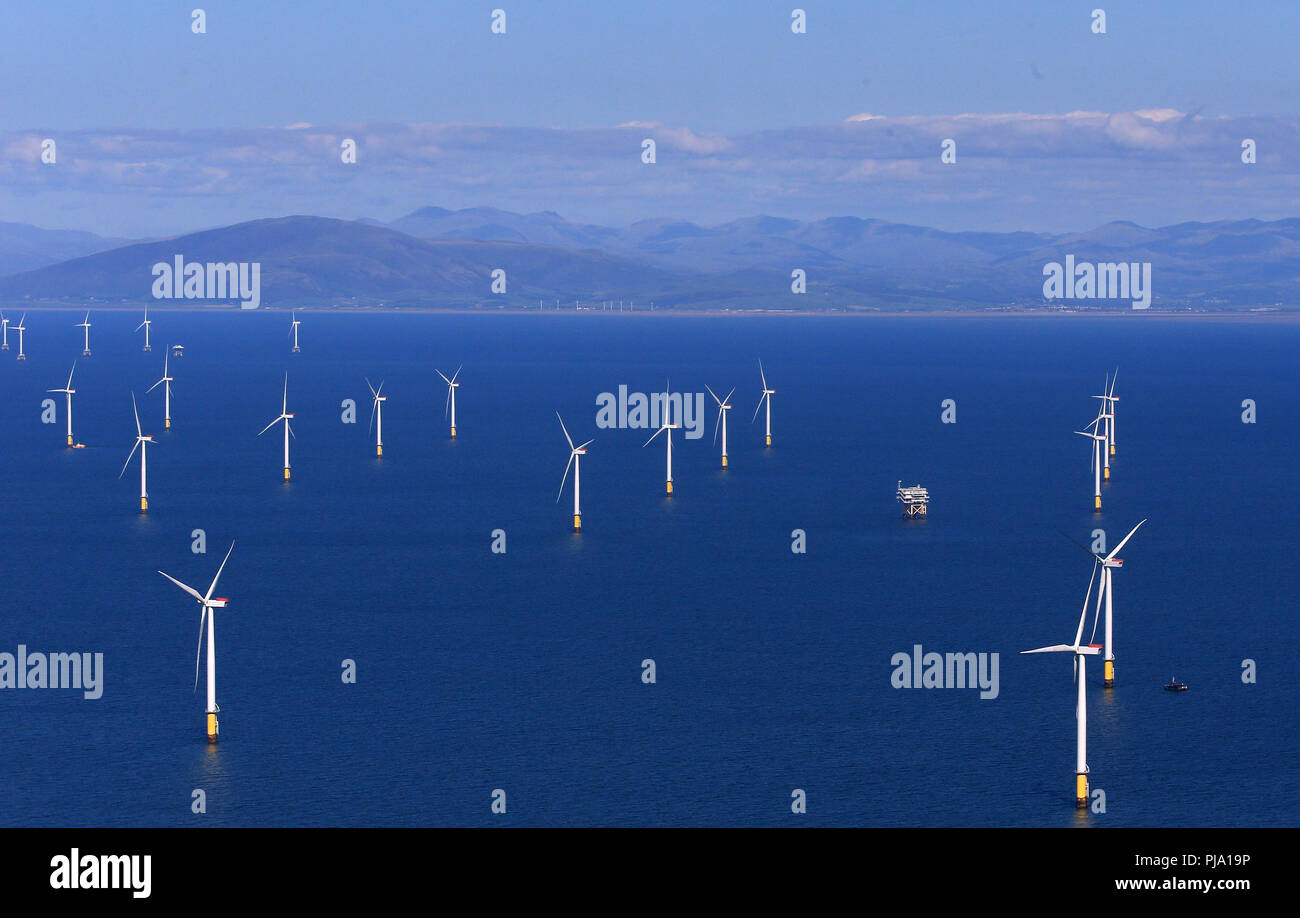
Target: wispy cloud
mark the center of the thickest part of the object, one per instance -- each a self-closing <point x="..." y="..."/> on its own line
<point x="1013" y="170"/>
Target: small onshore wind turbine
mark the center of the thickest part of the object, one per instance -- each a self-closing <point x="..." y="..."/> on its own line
<point x="142" y="443"/>
<point x="377" y="415"/>
<point x="575" y="456"/>
<point x="669" y="427"/>
<point x="1081" y="653"/>
<point x="296" y="323"/>
<point x="724" y="405"/>
<point x="166" y="383"/>
<point x="20" y="328"/>
<point x="68" y="391"/>
<point x="145" y="325"/>
<point x="1097" y="440"/>
<point x="286" y="417"/>
<point x="85" y="325"/>
<point x="765" y="399"/>
<point x="207" y="603"/>
<point x="452" y="386"/>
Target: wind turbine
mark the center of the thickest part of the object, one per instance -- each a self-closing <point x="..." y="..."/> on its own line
<point x="85" y="324"/>
<point x="142" y="443"/>
<point x="4" y="332"/>
<point x="296" y="323"/>
<point x="452" y="386"/>
<point x="166" y="383"/>
<point x="724" y="405"/>
<point x="1097" y="440"/>
<point x="145" y="325"/>
<point x="670" y="428"/>
<point x="1108" y="565"/>
<point x="20" y="328"/>
<point x="207" y="603"/>
<point x="377" y="413"/>
<point x="575" y="455"/>
<point x="68" y="391"/>
<point x="286" y="417"/>
<point x="766" y="398"/>
<point x="1081" y="653"/>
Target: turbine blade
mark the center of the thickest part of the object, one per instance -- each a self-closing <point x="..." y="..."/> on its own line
<point x="1080" y="544"/>
<point x="588" y="443"/>
<point x="715" y="397"/>
<point x="560" y="493"/>
<point x="1054" y="648"/>
<point x="717" y="421"/>
<point x="761" y="374"/>
<point x="444" y="377"/>
<point x="565" y="429"/>
<point x="284" y="406"/>
<point x="70" y="372"/>
<point x="759" y="405"/>
<point x="219" y="570"/>
<point x="268" y="426"/>
<point x="198" y="651"/>
<point x="136" y="412"/>
<point x="1124" y="541"/>
<point x="129" y="457"/>
<point x="373" y="393"/>
<point x="652" y="436"/>
<point x="1078" y="633"/>
<point x="457" y="373"/>
<point x="188" y="589"/>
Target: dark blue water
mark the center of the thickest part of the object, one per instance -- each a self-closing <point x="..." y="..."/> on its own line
<point x="522" y="671"/>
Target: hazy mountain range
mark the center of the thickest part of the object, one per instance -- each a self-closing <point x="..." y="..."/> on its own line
<point x="440" y="258"/>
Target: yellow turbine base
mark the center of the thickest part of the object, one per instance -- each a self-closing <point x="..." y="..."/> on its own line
<point x="769" y="439"/>
<point x="453" y="433"/>
<point x="670" y="489"/>
<point x="168" y="423"/>
<point x="1110" y="673"/>
<point x="724" y="462"/>
<point x="577" y="522"/>
<point x="69" y="439"/>
<point x="1081" y="791"/>
<point x="1112" y="449"/>
<point x="1105" y="473"/>
<point x="379" y="449"/>
<point x="212" y="728"/>
<point x="144" y="504"/>
<point x="286" y="474"/>
<point x="1095" y="506"/>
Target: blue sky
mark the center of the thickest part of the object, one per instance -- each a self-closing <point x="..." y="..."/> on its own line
<point x="160" y="130"/>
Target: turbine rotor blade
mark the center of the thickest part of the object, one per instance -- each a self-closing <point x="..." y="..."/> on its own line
<point x="565" y="429"/>
<point x="563" y="480"/>
<point x="198" y="651"/>
<point x="129" y="456"/>
<point x="188" y="589"/>
<point x="1124" y="541"/>
<point x="219" y="570"/>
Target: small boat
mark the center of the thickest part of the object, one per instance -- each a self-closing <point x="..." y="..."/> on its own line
<point x="1176" y="686"/>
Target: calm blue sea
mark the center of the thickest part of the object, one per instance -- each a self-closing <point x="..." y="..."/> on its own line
<point x="522" y="671"/>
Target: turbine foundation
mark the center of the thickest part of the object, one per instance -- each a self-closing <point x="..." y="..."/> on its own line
<point x="1105" y="473"/>
<point x="768" y="437"/>
<point x="22" y="356"/>
<point x="212" y="727"/>
<point x="69" y="439"/>
<point x="147" y="348"/>
<point x="1081" y="791"/>
<point x="1097" y="503"/>
<point x="670" y="488"/>
<point x="286" y="473"/>
<point x="577" y="522"/>
<point x="168" y="423"/>
<point x="453" y="433"/>
<point x="1112" y="449"/>
<point x="724" y="462"/>
<point x="1109" y="681"/>
<point x="297" y="350"/>
<point x="144" y="504"/>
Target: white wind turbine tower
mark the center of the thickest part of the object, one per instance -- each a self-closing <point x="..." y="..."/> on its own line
<point x="670" y="427"/>
<point x="4" y="332"/>
<point x="1108" y="563"/>
<point x="286" y="417"/>
<point x="20" y="328"/>
<point x="575" y="456"/>
<point x="296" y="323"/>
<point x="724" y="405"/>
<point x="377" y="415"/>
<point x="207" y="603"/>
<point x="85" y="324"/>
<point x="145" y="325"/>
<point x="1108" y="406"/>
<point x="142" y="443"/>
<point x="1081" y="653"/>
<point x="1097" y="440"/>
<point x="68" y="391"/>
<point x="452" y="386"/>
<point x="166" y="383"/>
<point x="765" y="399"/>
